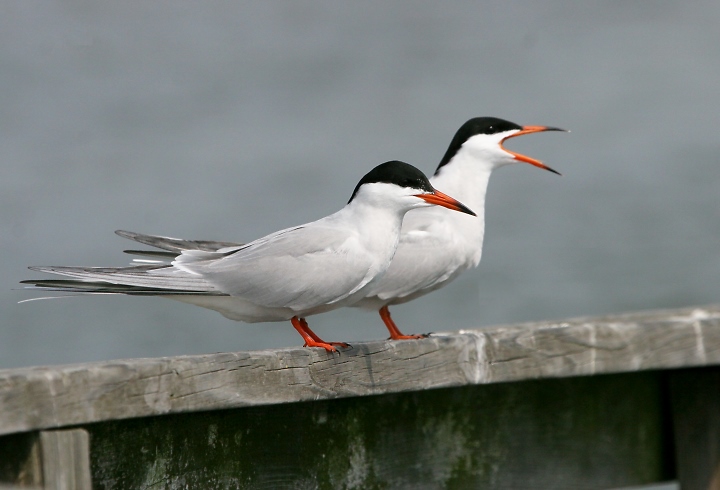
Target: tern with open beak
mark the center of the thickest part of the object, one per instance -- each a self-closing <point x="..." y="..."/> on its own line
<point x="435" y="248"/>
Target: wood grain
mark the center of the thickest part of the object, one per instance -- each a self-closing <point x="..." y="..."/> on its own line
<point x="57" y="396"/>
<point x="65" y="459"/>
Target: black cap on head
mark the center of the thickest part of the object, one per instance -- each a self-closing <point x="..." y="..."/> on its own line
<point x="476" y="125"/>
<point x="398" y="173"/>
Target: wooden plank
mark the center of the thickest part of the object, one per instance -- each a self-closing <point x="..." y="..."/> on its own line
<point x="696" y="419"/>
<point x="576" y="433"/>
<point x="46" y="397"/>
<point x="65" y="459"/>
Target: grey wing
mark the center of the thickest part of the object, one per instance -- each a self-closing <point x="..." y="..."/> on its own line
<point x="299" y="268"/>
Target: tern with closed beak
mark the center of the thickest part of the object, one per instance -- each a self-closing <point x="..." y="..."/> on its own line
<point x="287" y="275"/>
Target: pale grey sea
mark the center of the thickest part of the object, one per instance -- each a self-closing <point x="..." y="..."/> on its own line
<point x="230" y="120"/>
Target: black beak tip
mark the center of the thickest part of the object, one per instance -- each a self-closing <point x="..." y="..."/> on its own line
<point x="467" y="210"/>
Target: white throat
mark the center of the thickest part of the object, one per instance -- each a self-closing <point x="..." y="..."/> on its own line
<point x="466" y="179"/>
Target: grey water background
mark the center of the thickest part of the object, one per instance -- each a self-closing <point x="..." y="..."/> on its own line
<point x="230" y="120"/>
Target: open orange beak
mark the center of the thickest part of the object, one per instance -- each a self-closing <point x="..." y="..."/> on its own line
<point x="526" y="159"/>
<point x="445" y="201"/>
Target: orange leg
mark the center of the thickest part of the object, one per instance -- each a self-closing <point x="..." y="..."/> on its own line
<point x="395" y="333"/>
<point x="311" y="338"/>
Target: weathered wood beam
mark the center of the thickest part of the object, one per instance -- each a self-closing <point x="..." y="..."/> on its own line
<point x="46" y="397"/>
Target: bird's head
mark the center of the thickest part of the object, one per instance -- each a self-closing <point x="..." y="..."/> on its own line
<point x="400" y="185"/>
<point x="483" y="138"/>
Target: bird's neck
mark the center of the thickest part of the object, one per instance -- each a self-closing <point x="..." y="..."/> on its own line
<point x="466" y="179"/>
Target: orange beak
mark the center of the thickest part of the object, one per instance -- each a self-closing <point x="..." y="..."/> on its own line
<point x="445" y="201"/>
<point x="526" y="159"/>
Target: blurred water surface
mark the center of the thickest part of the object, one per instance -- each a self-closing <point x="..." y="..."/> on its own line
<point x="229" y="120"/>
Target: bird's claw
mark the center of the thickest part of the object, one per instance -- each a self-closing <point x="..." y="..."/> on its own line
<point x="409" y="337"/>
<point x="328" y="346"/>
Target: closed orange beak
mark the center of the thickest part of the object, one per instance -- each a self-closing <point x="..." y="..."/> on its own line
<point x="445" y="201"/>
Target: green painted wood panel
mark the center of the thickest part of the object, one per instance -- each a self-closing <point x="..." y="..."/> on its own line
<point x="591" y="432"/>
